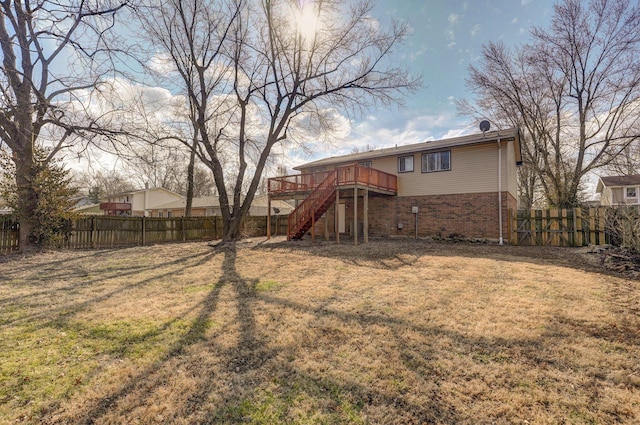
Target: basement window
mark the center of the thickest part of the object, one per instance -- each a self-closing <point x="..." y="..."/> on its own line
<point x="405" y="164"/>
<point x="436" y="161"/>
<point x="366" y="164"/>
<point x="632" y="192"/>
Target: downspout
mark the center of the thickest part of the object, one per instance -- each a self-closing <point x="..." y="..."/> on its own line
<point x="501" y="242"/>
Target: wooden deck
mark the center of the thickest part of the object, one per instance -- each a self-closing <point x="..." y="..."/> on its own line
<point x="350" y="176"/>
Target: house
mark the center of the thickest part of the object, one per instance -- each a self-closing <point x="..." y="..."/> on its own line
<point x="619" y="190"/>
<point x="210" y="206"/>
<point x="464" y="186"/>
<point x="138" y="202"/>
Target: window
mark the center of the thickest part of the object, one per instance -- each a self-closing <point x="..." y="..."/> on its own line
<point x="632" y="192"/>
<point x="436" y="161"/>
<point x="405" y="164"/>
<point x="366" y="164"/>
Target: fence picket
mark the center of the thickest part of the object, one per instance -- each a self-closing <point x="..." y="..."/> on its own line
<point x="111" y="232"/>
<point x="563" y="227"/>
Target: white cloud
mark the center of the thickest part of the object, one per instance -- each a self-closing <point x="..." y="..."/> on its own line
<point x="475" y="30"/>
<point x="526" y="2"/>
<point x="454" y="19"/>
<point x="162" y="64"/>
<point x="418" y="53"/>
<point x="514" y="21"/>
<point x="382" y="132"/>
<point x="451" y="35"/>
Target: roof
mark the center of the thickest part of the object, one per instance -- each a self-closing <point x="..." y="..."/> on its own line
<point x="132" y="192"/>
<point x="617" y="181"/>
<point x="473" y="139"/>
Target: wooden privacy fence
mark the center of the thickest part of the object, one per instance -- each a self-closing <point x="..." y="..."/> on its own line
<point x="111" y="232"/>
<point x="561" y="227"/>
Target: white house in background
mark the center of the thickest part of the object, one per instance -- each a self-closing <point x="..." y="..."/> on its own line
<point x="619" y="190"/>
<point x="138" y="202"/>
<point x="4" y="208"/>
<point x="208" y="206"/>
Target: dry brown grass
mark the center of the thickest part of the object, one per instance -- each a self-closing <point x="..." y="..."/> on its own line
<point x="392" y="332"/>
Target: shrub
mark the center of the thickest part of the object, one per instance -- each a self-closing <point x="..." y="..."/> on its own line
<point x="624" y="227"/>
<point x="54" y="191"/>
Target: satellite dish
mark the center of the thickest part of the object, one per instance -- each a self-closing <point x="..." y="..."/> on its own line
<point x="484" y="125"/>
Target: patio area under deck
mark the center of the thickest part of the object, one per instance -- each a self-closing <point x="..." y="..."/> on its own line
<point x="343" y="181"/>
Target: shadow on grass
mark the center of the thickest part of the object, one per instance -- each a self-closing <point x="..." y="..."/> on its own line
<point x="253" y="380"/>
<point x="40" y="301"/>
<point x="262" y="381"/>
<point x="392" y="253"/>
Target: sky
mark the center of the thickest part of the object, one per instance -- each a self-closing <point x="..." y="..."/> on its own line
<point x="447" y="36"/>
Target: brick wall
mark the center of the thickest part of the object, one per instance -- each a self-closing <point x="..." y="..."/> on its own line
<point x="472" y="215"/>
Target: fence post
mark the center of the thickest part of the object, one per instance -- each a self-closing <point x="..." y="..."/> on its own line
<point x="553" y="225"/>
<point x="601" y="226"/>
<point x="93" y="232"/>
<point x="592" y="226"/>
<point x="579" y="227"/>
<point x="533" y="216"/>
<point x="144" y="231"/>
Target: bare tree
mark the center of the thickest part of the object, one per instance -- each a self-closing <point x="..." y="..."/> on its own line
<point x="575" y="91"/>
<point x="53" y="52"/>
<point x="259" y="74"/>
<point x="99" y="184"/>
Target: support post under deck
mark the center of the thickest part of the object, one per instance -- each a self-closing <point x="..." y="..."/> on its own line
<point x="366" y="216"/>
<point x="268" y="216"/>
<point x="336" y="216"/>
<point x="355" y="215"/>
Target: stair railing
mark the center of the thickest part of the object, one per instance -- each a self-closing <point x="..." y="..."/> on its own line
<point x="304" y="212"/>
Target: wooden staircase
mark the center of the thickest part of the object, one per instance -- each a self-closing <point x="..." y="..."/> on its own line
<point x="312" y="208"/>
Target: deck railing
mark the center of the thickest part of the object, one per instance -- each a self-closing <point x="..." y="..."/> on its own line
<point x="297" y="182"/>
<point x="347" y="175"/>
<point x="352" y="174"/>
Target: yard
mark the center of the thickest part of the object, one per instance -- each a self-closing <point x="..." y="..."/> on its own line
<point x="392" y="332"/>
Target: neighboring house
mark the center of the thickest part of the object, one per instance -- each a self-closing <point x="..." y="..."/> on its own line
<point x="619" y="190"/>
<point x="88" y="209"/>
<point x="138" y="202"/>
<point x="210" y="206"/>
<point x="465" y="187"/>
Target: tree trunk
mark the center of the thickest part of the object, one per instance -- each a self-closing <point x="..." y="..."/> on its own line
<point x="190" y="177"/>
<point x="232" y="229"/>
<point x="27" y="201"/>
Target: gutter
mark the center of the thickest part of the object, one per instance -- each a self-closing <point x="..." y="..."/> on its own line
<point x="501" y="242"/>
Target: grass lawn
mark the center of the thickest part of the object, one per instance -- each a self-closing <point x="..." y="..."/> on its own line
<point x="392" y="332"/>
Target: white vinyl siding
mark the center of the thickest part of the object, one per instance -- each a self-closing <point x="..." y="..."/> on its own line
<point x="474" y="169"/>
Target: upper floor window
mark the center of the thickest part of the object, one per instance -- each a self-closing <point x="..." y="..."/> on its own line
<point x="436" y="161"/>
<point x="405" y="164"/>
<point x="366" y="164"/>
<point x="632" y="192"/>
